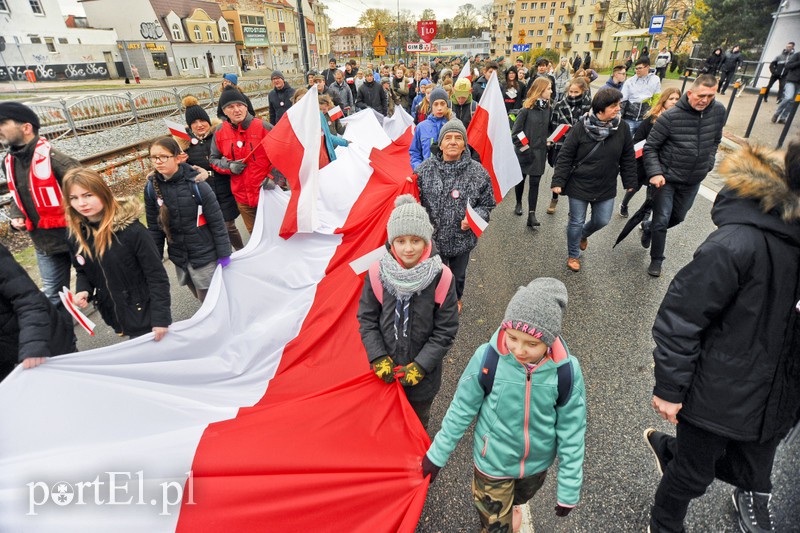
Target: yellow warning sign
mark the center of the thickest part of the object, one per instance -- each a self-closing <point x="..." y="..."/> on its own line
<point x="379" y="51"/>
<point x="380" y="41"/>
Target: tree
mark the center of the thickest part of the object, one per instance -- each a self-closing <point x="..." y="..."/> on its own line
<point x="375" y="20"/>
<point x="486" y="17"/>
<point x="640" y="11"/>
<point x="743" y="22"/>
<point x="466" y="20"/>
<point x="428" y="14"/>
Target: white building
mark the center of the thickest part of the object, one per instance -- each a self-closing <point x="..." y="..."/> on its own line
<point x="38" y="37"/>
<point x="165" y="38"/>
<point x="785" y="28"/>
<point x="469" y="46"/>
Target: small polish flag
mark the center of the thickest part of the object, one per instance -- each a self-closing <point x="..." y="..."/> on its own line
<point x="466" y="72"/>
<point x="201" y="218"/>
<point x="176" y="129"/>
<point x="639" y="148"/>
<point x="476" y="223"/>
<point x="335" y="113"/>
<point x="363" y="263"/>
<point x="67" y="299"/>
<point x="557" y="135"/>
<point x="524" y="140"/>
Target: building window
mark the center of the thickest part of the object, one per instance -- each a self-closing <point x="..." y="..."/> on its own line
<point x="539" y="33"/>
<point x="552" y="12"/>
<point x="50" y="43"/>
<point x="176" y="32"/>
<point x="558" y="31"/>
<point x="577" y="37"/>
<point x="230" y="60"/>
<point x="530" y="33"/>
<point x="591" y="19"/>
<point x="195" y="63"/>
<point x="36" y="7"/>
<point x="543" y="5"/>
<point x="580" y="19"/>
<point x="197" y="35"/>
<point x="35" y="39"/>
<point x="209" y="33"/>
<point x="4" y="6"/>
<point x="549" y="38"/>
<point x="223" y="32"/>
<point x="622" y="16"/>
<point x="522" y="20"/>
<point x="184" y="66"/>
<point x="538" y="45"/>
<point x="561" y="19"/>
<point x="675" y="15"/>
<point x="563" y="5"/>
<point x="283" y="36"/>
<point x="524" y="5"/>
<point x="280" y="16"/>
<point x="222" y="61"/>
<point x="588" y="37"/>
<point x="558" y="44"/>
<point x="63" y="40"/>
<point x="541" y="20"/>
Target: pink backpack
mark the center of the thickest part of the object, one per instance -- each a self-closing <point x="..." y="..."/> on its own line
<point x="441" y="288"/>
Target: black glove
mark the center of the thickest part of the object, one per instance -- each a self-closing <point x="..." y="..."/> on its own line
<point x="237" y="167"/>
<point x="429" y="469"/>
<point x="563" y="511"/>
<point x="267" y="184"/>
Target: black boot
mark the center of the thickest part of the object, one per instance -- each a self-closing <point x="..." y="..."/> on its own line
<point x="518" y="209"/>
<point x="532" y="222"/>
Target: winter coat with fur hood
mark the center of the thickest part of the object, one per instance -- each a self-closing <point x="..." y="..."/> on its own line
<point x="128" y="285"/>
<point x="724" y="330"/>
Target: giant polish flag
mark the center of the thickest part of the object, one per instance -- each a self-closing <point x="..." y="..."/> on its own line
<point x="257" y="414"/>
<point x="490" y="135"/>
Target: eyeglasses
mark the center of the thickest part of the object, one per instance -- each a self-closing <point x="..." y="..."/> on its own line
<point x="160" y="158"/>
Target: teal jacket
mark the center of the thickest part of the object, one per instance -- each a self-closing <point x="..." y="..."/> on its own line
<point x="519" y="430"/>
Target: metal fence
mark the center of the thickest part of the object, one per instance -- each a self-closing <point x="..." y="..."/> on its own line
<point x="104" y="111"/>
<point x="747" y="76"/>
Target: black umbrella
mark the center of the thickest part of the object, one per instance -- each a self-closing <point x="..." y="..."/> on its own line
<point x="638" y="216"/>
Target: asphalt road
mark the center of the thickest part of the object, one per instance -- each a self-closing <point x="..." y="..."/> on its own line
<point x="612" y="304"/>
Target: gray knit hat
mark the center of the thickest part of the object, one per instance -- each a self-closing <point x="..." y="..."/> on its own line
<point x="538" y="309"/>
<point x="409" y="218"/>
<point x="453" y="124"/>
<point x="439" y="94"/>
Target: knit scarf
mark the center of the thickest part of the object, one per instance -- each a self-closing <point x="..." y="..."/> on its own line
<point x="542" y="104"/>
<point x="404" y="282"/>
<point x="597" y="129"/>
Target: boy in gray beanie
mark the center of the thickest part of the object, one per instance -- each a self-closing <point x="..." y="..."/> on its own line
<point x="408" y="310"/>
<point x="537" y="410"/>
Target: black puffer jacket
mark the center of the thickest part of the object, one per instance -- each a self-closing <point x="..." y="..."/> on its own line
<point x="596" y="178"/>
<point x="431" y="330"/>
<point x="372" y="95"/>
<point x="30" y="326"/>
<point x="199" y="151"/>
<point x="190" y="244"/>
<point x="792" y="71"/>
<point x="730" y="61"/>
<point x="535" y="123"/>
<point x="723" y="343"/>
<point x="128" y="284"/>
<point x="682" y="144"/>
<point x="279" y="101"/>
<point x="444" y="189"/>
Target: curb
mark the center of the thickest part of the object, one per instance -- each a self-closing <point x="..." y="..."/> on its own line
<point x="527" y="520"/>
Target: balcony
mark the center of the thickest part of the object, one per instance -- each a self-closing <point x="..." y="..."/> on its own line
<point x="494" y="26"/>
<point x="568" y="27"/>
<point x="510" y="26"/>
<point x="510" y="12"/>
<point x="597" y="45"/>
<point x="603" y="6"/>
<point x="494" y="39"/>
<point x="566" y="45"/>
<point x="508" y="39"/>
<point x="491" y="50"/>
<point x="599" y="25"/>
<point x="570" y="10"/>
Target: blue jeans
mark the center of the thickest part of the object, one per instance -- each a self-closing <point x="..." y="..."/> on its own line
<point x="789" y="90"/>
<point x="54" y="269"/>
<point x="671" y="202"/>
<point x="633" y="124"/>
<point x="577" y="229"/>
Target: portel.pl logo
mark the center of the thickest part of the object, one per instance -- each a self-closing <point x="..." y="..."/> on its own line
<point x="111" y="488"/>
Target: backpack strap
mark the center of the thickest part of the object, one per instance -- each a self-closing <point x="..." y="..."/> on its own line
<point x="198" y="198"/>
<point x="150" y="190"/>
<point x="473" y="107"/>
<point x="375" y="281"/>
<point x="565" y="382"/>
<point x="443" y="287"/>
<point x="488" y="369"/>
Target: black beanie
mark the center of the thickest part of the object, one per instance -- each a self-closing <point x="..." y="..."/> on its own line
<point x="19" y="113"/>
<point x="194" y="111"/>
<point x="229" y="96"/>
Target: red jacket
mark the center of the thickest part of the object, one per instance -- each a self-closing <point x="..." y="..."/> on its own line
<point x="232" y="143"/>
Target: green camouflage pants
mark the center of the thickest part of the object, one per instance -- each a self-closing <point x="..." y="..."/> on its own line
<point x="494" y="498"/>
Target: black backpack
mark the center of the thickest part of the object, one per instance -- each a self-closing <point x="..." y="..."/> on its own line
<point x="489" y="369"/>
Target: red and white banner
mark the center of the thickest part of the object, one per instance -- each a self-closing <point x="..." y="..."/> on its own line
<point x="335" y="113"/>
<point x="639" y="148"/>
<point x="466" y="72"/>
<point x="490" y="135"/>
<point x="523" y="139"/>
<point x="559" y="133"/>
<point x="176" y="129"/>
<point x="258" y="413"/>
<point x="68" y="301"/>
<point x="297" y="137"/>
<point x="476" y="222"/>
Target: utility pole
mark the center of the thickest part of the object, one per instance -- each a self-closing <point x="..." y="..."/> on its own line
<point x="303" y="45"/>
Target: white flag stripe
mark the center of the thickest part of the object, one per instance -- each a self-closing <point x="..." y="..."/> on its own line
<point x="504" y="160"/>
<point x="305" y="119"/>
<point x="67" y="299"/>
<point x="398" y="123"/>
<point x="479" y="221"/>
<point x="363" y="263"/>
<point x="466" y="71"/>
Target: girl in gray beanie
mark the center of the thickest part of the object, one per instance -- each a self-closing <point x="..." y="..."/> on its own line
<point x="408" y="310"/>
<point x="528" y="394"/>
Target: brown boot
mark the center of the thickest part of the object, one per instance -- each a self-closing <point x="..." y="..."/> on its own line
<point x="574" y="264"/>
<point x="552" y="209"/>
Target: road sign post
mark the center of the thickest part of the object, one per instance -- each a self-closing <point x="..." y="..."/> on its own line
<point x="379" y="45"/>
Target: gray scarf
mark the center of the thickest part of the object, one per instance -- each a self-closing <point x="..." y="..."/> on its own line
<point x="597" y="129"/>
<point x="404" y="282"/>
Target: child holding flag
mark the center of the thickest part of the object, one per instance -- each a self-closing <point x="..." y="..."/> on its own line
<point x="529" y="134"/>
<point x="408" y="310"/>
<point x="528" y="394"/>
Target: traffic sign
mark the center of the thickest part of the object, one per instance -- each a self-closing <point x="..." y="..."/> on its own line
<point x="378" y="51"/>
<point x="380" y="41"/>
<point x="521" y="48"/>
<point x="426" y="30"/>
<point x="657" y="23"/>
<point x="418" y="47"/>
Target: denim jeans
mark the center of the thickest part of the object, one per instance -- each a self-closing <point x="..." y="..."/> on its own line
<point x="633" y="124"/>
<point x="577" y="229"/>
<point x="789" y="90"/>
<point x="671" y="202"/>
<point x="54" y="269"/>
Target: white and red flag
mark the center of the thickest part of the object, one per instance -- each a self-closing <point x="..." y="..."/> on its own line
<point x="476" y="222"/>
<point x="335" y="113"/>
<point x="297" y="137"/>
<point x="523" y="139"/>
<point x="466" y="72"/>
<point x="639" y="148"/>
<point x="559" y="133"/>
<point x="259" y="413"/>
<point x="490" y="135"/>
<point x="176" y="129"/>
